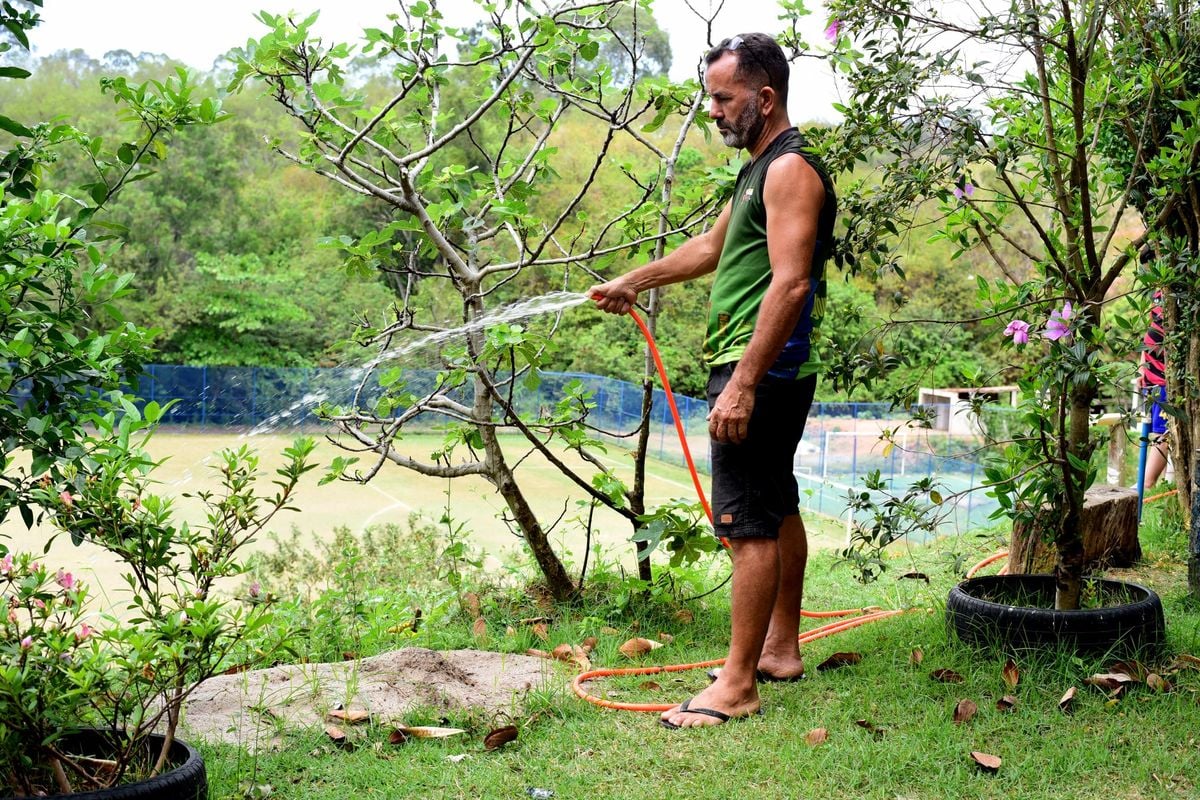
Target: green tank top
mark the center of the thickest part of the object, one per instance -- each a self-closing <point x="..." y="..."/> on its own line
<point x="744" y="268"/>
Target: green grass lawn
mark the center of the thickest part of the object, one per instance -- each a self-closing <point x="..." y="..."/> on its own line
<point x="1144" y="745"/>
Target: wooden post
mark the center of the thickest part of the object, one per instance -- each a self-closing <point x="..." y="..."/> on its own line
<point x="1110" y="535"/>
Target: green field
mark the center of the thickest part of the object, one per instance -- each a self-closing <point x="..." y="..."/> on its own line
<point x="392" y="496"/>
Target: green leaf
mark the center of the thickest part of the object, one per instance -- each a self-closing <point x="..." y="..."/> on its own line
<point x="15" y="128"/>
<point x="14" y="72"/>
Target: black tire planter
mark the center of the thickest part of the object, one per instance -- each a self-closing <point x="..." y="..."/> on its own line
<point x="184" y="779"/>
<point x="977" y="613"/>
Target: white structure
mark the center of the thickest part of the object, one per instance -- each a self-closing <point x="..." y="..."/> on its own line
<point x="954" y="407"/>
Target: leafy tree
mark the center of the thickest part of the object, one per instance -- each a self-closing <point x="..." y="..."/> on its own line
<point x="1005" y="149"/>
<point x="483" y="227"/>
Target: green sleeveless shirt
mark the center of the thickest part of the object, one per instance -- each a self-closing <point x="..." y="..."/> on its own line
<point x="744" y="268"/>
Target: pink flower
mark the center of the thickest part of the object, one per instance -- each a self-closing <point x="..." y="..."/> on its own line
<point x="65" y="579"/>
<point x="1058" y="327"/>
<point x="1018" y="330"/>
<point x="834" y="29"/>
<point x="6" y="564"/>
<point x="65" y="496"/>
<point x="966" y="190"/>
<point x="83" y="633"/>
<point x="37" y="602"/>
<point x="12" y="616"/>
<point x="255" y="589"/>
<point x="27" y="643"/>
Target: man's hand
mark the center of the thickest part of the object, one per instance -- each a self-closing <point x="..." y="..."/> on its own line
<point x="615" y="297"/>
<point x="729" y="421"/>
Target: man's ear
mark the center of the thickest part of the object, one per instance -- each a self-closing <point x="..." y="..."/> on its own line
<point x="768" y="99"/>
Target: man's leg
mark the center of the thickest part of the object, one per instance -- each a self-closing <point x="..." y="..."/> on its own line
<point x="755" y="582"/>
<point x="781" y="651"/>
<point x="1156" y="462"/>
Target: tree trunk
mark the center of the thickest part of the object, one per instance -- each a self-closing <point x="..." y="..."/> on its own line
<point x="1194" y="534"/>
<point x="1068" y="571"/>
<point x="637" y="502"/>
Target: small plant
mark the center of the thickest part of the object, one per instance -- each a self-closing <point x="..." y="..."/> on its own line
<point x="64" y="672"/>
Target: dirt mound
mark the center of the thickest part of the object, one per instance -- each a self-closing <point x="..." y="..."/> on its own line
<point x="252" y="708"/>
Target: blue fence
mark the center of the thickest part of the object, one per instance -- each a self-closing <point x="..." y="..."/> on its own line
<point x="841" y="443"/>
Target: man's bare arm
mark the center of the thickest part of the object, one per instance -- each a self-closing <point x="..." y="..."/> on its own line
<point x="695" y="257"/>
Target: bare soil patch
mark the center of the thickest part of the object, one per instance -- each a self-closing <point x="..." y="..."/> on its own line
<point x="253" y="708"/>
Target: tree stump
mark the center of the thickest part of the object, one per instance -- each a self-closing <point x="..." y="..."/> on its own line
<point x="1110" y="535"/>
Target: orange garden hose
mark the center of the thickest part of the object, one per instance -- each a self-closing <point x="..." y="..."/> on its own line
<point x="866" y="615"/>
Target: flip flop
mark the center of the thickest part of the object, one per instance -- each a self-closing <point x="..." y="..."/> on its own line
<point x="686" y="708"/>
<point x="760" y="676"/>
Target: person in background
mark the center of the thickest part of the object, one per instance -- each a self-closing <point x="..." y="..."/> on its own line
<point x="1154" y="387"/>
<point x="768" y="248"/>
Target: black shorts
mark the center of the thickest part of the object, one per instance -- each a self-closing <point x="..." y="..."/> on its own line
<point x="753" y="483"/>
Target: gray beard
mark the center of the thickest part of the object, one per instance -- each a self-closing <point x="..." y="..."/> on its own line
<point x="746" y="129"/>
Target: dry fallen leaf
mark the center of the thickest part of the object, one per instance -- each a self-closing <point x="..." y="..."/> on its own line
<point x="839" y="660"/>
<point x="533" y="651"/>
<point x="649" y="686"/>
<point x="336" y="734"/>
<point x="589" y="644"/>
<point x="1012" y="675"/>
<point x="964" y="711"/>
<point x="607" y="631"/>
<point x="665" y="638"/>
<point x="579" y="656"/>
<point x="397" y="736"/>
<point x="1006" y="703"/>
<point x="1184" y="661"/>
<point x="920" y="576"/>
<point x="472" y="605"/>
<point x="479" y="628"/>
<point x="428" y="731"/>
<point x="986" y="761"/>
<point x="916" y="656"/>
<point x="638" y="647"/>
<point x="817" y="736"/>
<point x="1067" y="700"/>
<point x="352" y="715"/>
<point x="539" y="630"/>
<point x="685" y="616"/>
<point x="1158" y="683"/>
<point x="500" y="737"/>
<point x="1134" y="669"/>
<point x="536" y="621"/>
<point x="510" y="631"/>
<point x="562" y="652"/>
<point x="1109" y="681"/>
<point x="349" y="655"/>
<point x="866" y="724"/>
<point x="946" y="676"/>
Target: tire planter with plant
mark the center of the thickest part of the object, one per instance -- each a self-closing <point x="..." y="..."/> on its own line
<point x="183" y="779"/>
<point x="1018" y="611"/>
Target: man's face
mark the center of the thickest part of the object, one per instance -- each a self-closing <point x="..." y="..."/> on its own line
<point x="733" y="105"/>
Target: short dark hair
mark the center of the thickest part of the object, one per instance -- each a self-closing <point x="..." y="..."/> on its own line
<point x="760" y="61"/>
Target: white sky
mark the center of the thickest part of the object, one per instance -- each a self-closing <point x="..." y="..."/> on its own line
<point x="198" y="31"/>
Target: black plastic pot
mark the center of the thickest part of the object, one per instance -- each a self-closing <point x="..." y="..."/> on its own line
<point x="1018" y="611"/>
<point x="184" y="779"/>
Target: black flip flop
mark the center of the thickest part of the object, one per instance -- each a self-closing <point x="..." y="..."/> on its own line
<point x="760" y="676"/>
<point x="685" y="707"/>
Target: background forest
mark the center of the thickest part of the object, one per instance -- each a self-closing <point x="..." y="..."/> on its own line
<point x="226" y="243"/>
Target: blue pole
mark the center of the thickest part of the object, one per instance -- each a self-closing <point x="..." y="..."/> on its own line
<point x="1143" y="448"/>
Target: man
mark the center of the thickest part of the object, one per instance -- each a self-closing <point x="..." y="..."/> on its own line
<point x="768" y="247"/>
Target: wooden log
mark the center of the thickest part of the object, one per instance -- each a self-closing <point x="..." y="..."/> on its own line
<point x="1110" y="535"/>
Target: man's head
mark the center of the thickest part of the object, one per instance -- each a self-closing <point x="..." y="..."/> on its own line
<point x="747" y="79"/>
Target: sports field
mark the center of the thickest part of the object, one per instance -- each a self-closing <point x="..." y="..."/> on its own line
<point x="392" y="496"/>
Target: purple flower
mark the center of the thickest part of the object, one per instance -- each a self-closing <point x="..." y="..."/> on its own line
<point x="27" y="643"/>
<point x="966" y="190"/>
<point x="6" y="564"/>
<point x="834" y="29"/>
<point x="1018" y="330"/>
<point x="84" y="632"/>
<point x="255" y="589"/>
<point x="1058" y="327"/>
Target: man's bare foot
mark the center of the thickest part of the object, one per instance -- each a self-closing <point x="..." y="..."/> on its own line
<point x="770" y="671"/>
<point x="713" y="706"/>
